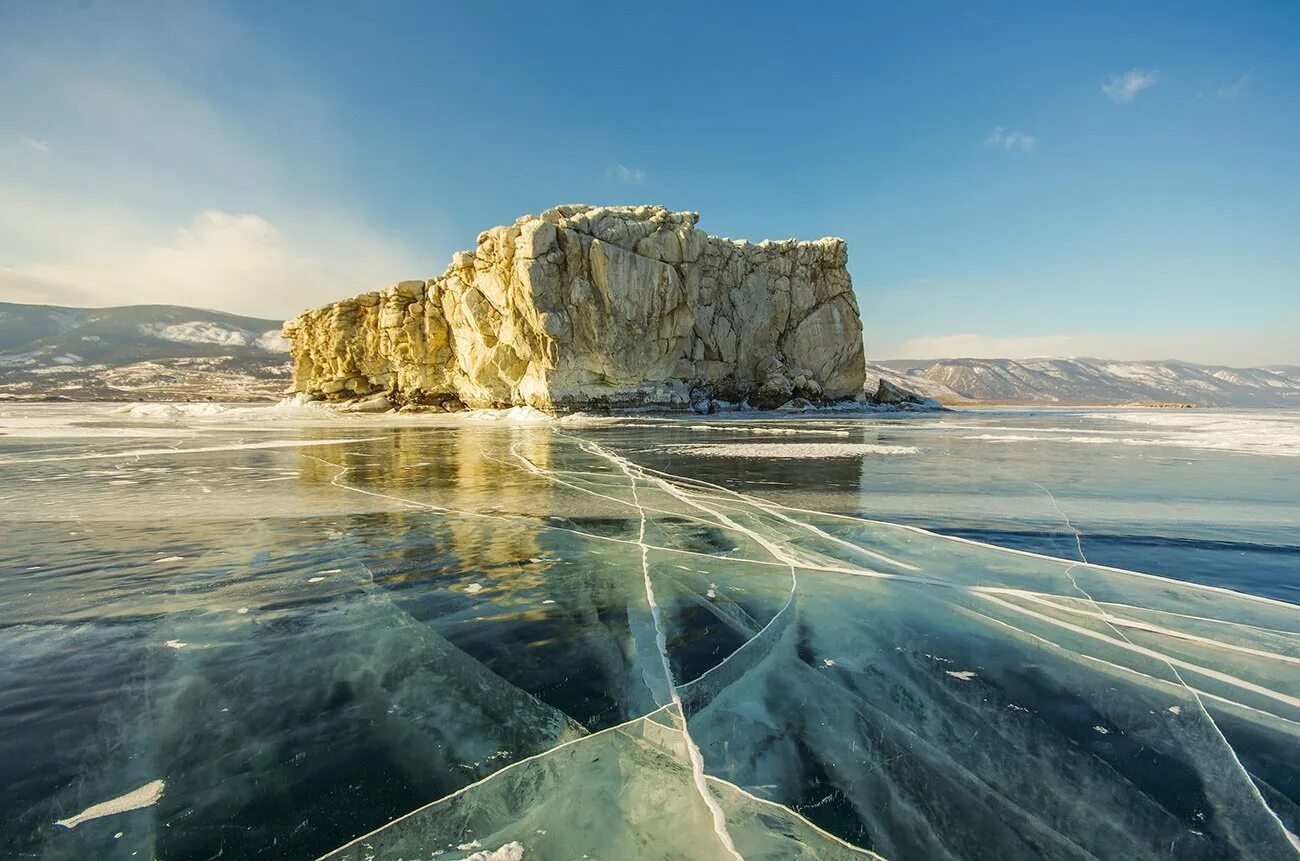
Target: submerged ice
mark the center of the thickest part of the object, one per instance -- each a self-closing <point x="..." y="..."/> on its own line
<point x="563" y="640"/>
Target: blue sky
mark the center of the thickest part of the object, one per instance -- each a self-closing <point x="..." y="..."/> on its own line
<point x="1012" y="178"/>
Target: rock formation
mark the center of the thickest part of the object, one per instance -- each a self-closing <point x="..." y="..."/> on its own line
<point x="588" y="306"/>
<point x="892" y="395"/>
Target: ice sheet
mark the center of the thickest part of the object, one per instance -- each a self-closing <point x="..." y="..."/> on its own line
<point x="556" y="639"/>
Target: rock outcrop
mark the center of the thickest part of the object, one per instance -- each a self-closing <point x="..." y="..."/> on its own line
<point x="891" y="395"/>
<point x="588" y="306"/>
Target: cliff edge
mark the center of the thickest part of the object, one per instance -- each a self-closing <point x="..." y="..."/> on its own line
<point x="587" y="306"/>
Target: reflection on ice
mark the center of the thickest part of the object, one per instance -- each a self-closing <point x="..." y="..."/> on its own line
<point x="549" y="641"/>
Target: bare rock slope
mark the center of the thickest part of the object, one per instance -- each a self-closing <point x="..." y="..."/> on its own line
<point x="583" y="306"/>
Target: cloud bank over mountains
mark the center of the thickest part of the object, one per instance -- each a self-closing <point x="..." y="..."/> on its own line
<point x="124" y="182"/>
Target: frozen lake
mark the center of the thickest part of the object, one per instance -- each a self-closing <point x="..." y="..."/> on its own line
<point x="265" y="632"/>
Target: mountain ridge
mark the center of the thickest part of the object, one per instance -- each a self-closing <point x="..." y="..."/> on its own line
<point x="138" y="352"/>
<point x="1090" y="381"/>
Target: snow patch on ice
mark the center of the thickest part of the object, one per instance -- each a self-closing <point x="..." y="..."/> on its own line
<point x="144" y="796"/>
<point x="170" y="411"/>
<point x="1095" y="440"/>
<point x="794" y="451"/>
<point x="735" y="425"/>
<point x="143" y="452"/>
<point x="511" y="416"/>
<point x="1274" y="433"/>
<point x="64" y="427"/>
<point x="961" y="675"/>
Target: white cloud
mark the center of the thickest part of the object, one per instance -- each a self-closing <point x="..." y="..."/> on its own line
<point x="1125" y="87"/>
<point x="232" y="262"/>
<point x="35" y="144"/>
<point x="1227" y="347"/>
<point x="1010" y="139"/>
<point x="623" y="173"/>
<point x="1231" y="91"/>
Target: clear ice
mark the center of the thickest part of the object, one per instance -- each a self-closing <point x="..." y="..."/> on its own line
<point x="571" y="640"/>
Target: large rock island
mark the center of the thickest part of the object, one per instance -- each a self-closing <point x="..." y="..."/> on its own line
<point x="587" y="306"/>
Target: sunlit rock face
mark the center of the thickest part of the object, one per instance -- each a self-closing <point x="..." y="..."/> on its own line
<point x="587" y="306"/>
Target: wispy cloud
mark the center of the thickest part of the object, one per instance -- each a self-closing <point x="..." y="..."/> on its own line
<point x="1125" y="87"/>
<point x="1231" y="91"/>
<point x="35" y="144"/>
<point x="1010" y="139"/>
<point x="623" y="173"/>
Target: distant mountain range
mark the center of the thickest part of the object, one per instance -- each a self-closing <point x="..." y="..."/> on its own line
<point x="1092" y="381"/>
<point x="138" y="352"/>
<point x="170" y="352"/>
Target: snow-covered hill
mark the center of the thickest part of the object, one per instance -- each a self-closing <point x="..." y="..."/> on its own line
<point x="138" y="352"/>
<point x="1093" y="381"/>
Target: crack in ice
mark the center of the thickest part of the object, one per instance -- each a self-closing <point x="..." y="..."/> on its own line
<point x="712" y="511"/>
<point x="693" y="752"/>
<point x="1170" y="662"/>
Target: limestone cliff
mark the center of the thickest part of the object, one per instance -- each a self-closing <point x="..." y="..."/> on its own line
<point x="586" y="306"/>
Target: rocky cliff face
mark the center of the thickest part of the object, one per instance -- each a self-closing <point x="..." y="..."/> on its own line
<point x="585" y="306"/>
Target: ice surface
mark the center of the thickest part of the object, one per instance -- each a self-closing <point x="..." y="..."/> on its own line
<point x="802" y="451"/>
<point x="1257" y="432"/>
<point x="385" y="639"/>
